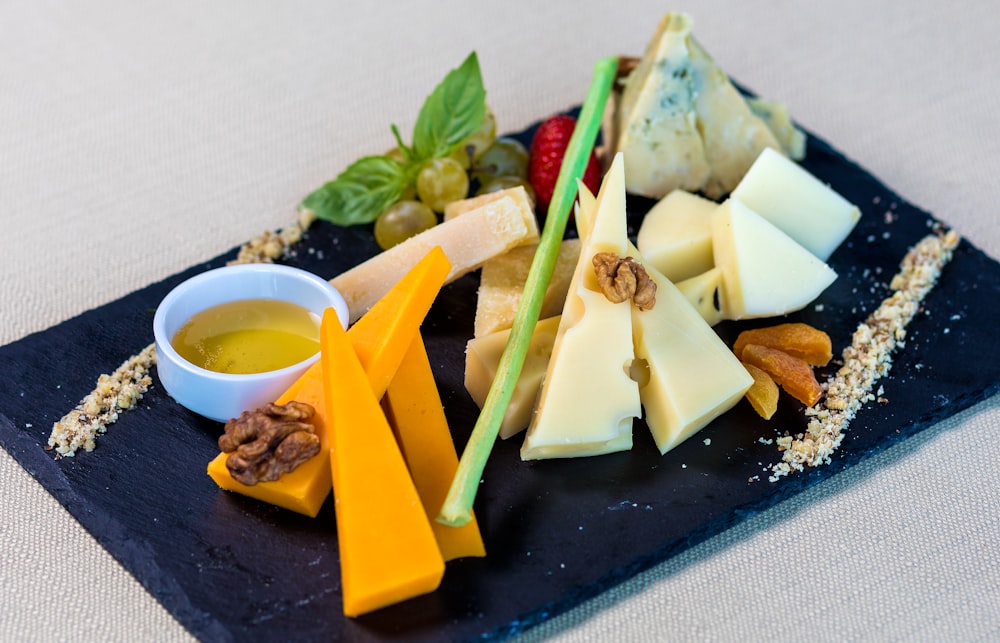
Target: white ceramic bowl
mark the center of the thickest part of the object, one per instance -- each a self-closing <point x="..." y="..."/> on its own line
<point x="221" y="396"/>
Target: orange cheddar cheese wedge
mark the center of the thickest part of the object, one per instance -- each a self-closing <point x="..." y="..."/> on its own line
<point x="387" y="548"/>
<point x="413" y="407"/>
<point x="380" y="339"/>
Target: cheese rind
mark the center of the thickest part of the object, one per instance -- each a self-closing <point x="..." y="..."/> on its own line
<point x="468" y="240"/>
<point x="675" y="236"/>
<point x="693" y="376"/>
<point x="764" y="271"/>
<point x="482" y="358"/>
<point x="805" y="208"/>
<point x="588" y="400"/>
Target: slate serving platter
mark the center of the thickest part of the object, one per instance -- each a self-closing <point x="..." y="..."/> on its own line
<point x="557" y="532"/>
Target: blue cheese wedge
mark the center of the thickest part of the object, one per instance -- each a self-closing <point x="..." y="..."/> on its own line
<point x="588" y="400"/>
<point x="656" y="125"/>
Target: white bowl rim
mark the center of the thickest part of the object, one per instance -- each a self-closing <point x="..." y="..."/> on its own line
<point x="165" y="347"/>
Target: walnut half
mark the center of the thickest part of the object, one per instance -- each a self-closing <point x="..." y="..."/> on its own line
<point x="268" y="442"/>
<point x="624" y="278"/>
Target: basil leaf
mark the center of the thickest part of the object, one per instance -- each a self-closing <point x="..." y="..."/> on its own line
<point x="361" y="192"/>
<point x="455" y="109"/>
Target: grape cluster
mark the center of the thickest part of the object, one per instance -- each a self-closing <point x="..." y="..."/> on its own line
<point x="481" y="163"/>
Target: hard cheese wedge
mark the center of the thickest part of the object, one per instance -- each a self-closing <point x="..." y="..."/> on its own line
<point x="805" y="208"/>
<point x="675" y="236"/>
<point x="388" y="552"/>
<point x="414" y="409"/>
<point x="588" y="401"/>
<point x="380" y="340"/>
<point x="764" y="271"/>
<point x="703" y="293"/>
<point x="693" y="376"/>
<point x="502" y="280"/>
<point x="482" y="359"/>
<point x="468" y="240"/>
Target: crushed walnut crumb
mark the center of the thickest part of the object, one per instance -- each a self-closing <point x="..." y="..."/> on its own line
<point x="868" y="358"/>
<point x="121" y="390"/>
<point x="114" y="393"/>
<point x="274" y="244"/>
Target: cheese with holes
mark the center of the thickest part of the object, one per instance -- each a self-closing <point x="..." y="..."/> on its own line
<point x="482" y="357"/>
<point x="675" y="236"/>
<point x="469" y="240"/>
<point x="702" y="292"/>
<point x="588" y="400"/>
<point x="764" y="271"/>
<point x="805" y="208"/>
<point x="693" y="377"/>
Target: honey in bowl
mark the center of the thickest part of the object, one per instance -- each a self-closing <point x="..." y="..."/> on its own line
<point x="248" y="336"/>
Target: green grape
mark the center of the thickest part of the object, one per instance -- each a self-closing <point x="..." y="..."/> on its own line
<point x="442" y="181"/>
<point x="478" y="141"/>
<point x="402" y="220"/>
<point x="505" y="157"/>
<point x="498" y="183"/>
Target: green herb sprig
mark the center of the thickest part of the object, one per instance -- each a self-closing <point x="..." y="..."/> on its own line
<point x="453" y="111"/>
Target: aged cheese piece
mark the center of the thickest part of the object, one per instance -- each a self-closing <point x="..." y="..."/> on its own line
<point x="388" y="552"/>
<point x="588" y="401"/>
<point x="502" y="280"/>
<point x="468" y="240"/>
<point x="675" y="237"/>
<point x="805" y="208"/>
<point x="775" y="115"/>
<point x="764" y="271"/>
<point x="462" y="206"/>
<point x="703" y="293"/>
<point x="413" y="406"/>
<point x="380" y="340"/>
<point x="656" y="124"/>
<point x="733" y="135"/>
<point x="482" y="357"/>
<point x="693" y="376"/>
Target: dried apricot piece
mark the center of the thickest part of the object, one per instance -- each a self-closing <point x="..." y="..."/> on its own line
<point x="763" y="393"/>
<point x="797" y="339"/>
<point x="789" y="372"/>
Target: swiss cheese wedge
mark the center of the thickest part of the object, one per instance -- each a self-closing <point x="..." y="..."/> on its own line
<point x="588" y="401"/>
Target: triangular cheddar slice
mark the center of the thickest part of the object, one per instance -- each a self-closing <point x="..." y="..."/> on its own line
<point x="387" y="549"/>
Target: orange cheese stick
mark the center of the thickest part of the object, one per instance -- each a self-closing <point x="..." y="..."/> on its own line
<point x="413" y="406"/>
<point x="387" y="548"/>
<point x="380" y="339"/>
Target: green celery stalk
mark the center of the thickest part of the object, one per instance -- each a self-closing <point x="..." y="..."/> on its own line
<point x="457" y="508"/>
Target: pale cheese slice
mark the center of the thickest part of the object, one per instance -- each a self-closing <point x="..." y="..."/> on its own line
<point x="805" y="208"/>
<point x="502" y="280"/>
<point x="675" y="236"/>
<point x="733" y="135"/>
<point x="468" y="241"/>
<point x="765" y="272"/>
<point x="588" y="400"/>
<point x="702" y="291"/>
<point x="775" y="115"/>
<point x="693" y="377"/>
<point x="656" y="127"/>
<point x="482" y="358"/>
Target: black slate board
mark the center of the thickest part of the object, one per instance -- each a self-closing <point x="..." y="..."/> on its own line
<point x="557" y="532"/>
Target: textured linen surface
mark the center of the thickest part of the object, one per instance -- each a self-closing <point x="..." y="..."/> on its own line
<point x="139" y="138"/>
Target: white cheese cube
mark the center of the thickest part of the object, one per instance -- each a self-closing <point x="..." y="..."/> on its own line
<point x="675" y="236"/>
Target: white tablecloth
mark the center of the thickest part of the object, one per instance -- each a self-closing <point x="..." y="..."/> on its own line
<point x="139" y="138"/>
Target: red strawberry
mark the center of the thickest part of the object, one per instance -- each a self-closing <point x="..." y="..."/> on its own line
<point x="547" y="151"/>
